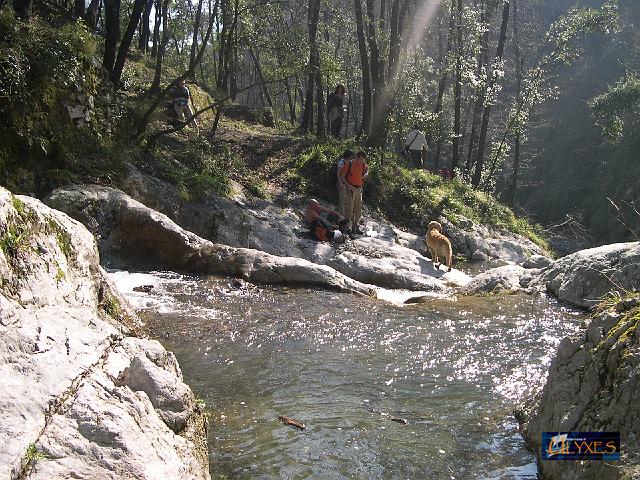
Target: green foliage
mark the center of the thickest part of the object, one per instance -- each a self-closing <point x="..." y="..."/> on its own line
<point x="410" y="197"/>
<point x="197" y="168"/>
<point x="41" y="67"/>
<point x="17" y="231"/>
<point x="608" y="108"/>
<point x="33" y="455"/>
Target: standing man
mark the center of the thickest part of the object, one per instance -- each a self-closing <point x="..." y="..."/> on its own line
<point x="414" y="145"/>
<point x="343" y="187"/>
<point x="334" y="110"/>
<point x="354" y="173"/>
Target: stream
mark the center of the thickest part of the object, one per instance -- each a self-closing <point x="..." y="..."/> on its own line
<point x="452" y="368"/>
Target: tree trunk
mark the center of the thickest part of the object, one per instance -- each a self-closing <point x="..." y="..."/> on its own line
<point x="162" y="45"/>
<point x="374" y="54"/>
<point x="320" y="126"/>
<point x="480" y="95"/>
<point x="365" y="126"/>
<point x="78" y="8"/>
<point x="91" y="14"/>
<point x="263" y="85"/>
<point x="156" y="29"/>
<point x="123" y="51"/>
<point x="515" y="164"/>
<point x="477" y="175"/>
<point x="23" y="8"/>
<point x="312" y="25"/>
<point x="442" y="86"/>
<point x="112" y="33"/>
<point x="145" y="31"/>
<point x="455" y="159"/>
<point x="194" y="36"/>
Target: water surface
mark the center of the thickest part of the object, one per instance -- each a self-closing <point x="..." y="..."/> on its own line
<point x="452" y="368"/>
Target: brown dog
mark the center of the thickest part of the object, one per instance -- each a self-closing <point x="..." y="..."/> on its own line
<point x="438" y="245"/>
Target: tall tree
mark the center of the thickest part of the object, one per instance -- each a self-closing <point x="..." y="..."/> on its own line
<point x="125" y="44"/>
<point x="313" y="15"/>
<point x="163" y="8"/>
<point x="493" y="80"/>
<point x="112" y="33"/>
<point x="365" y="125"/>
<point x="457" y="136"/>
<point x="483" y="58"/>
<point x="145" y="30"/>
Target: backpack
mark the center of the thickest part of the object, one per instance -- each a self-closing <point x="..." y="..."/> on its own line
<point x="333" y="171"/>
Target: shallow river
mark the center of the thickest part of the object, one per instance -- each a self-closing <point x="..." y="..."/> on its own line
<point x="453" y="369"/>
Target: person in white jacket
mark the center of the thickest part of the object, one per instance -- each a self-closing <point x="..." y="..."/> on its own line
<point x="414" y="144"/>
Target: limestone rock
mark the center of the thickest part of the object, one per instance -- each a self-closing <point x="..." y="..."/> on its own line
<point x="385" y="256"/>
<point x="145" y="237"/>
<point x="467" y="238"/>
<point x="537" y="261"/>
<point x="593" y="385"/>
<point x="64" y="338"/>
<point x="584" y="277"/>
<point x="508" y="277"/>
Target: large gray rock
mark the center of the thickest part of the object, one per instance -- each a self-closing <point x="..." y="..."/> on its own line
<point x="593" y="385"/>
<point x="468" y="238"/>
<point x="63" y="341"/>
<point x="584" y="277"/>
<point x="385" y="257"/>
<point x="509" y="278"/>
<point x="125" y="227"/>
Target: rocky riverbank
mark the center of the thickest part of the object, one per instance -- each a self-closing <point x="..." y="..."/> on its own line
<point x="82" y="395"/>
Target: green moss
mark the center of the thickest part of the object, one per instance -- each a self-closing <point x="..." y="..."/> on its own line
<point x="111" y="306"/>
<point x="60" y="275"/>
<point x="63" y="238"/>
<point x="624" y="329"/>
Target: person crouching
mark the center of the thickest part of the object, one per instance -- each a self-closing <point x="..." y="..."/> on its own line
<point x="324" y="223"/>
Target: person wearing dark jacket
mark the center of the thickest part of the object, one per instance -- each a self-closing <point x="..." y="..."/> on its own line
<point x="334" y="110"/>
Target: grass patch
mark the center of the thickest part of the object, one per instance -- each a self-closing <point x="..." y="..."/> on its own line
<point x="408" y="197"/>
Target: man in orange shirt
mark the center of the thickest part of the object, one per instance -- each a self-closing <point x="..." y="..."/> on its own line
<point x="353" y="174"/>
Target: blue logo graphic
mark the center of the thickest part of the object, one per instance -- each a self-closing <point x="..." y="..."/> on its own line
<point x="580" y="446"/>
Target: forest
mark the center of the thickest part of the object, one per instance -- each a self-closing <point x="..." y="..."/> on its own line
<point x="533" y="101"/>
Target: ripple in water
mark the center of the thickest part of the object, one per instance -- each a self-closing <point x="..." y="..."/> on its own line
<point x="452" y="369"/>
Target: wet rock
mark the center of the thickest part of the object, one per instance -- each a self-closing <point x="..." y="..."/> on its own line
<point x="584" y="277"/>
<point x="64" y="337"/>
<point x="143" y="288"/>
<point x="593" y="385"/>
<point x="127" y="229"/>
<point x="506" y="278"/>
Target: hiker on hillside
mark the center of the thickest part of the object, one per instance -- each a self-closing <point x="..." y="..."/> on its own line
<point x="182" y="102"/>
<point x="353" y="174"/>
<point x="334" y="110"/>
<point x="415" y="143"/>
<point x="343" y="197"/>
<point x="324" y="223"/>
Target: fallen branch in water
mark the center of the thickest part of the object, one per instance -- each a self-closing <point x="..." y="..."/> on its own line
<point x="387" y="415"/>
<point x="292" y="422"/>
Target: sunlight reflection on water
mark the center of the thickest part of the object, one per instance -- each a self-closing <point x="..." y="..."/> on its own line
<point x="452" y="369"/>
